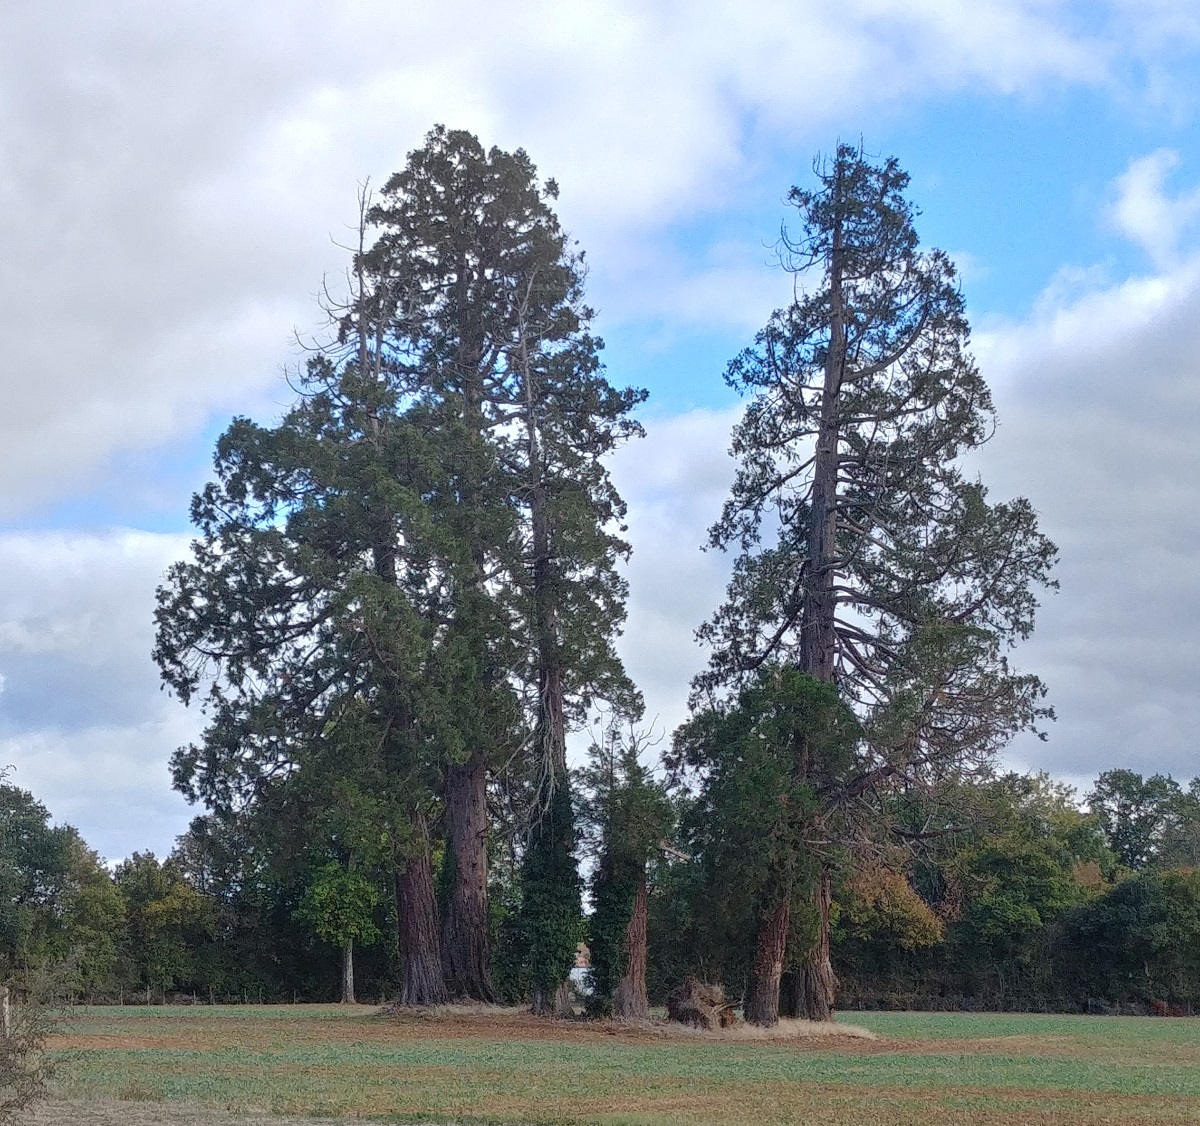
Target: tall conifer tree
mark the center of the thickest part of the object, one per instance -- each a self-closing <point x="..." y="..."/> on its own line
<point x="866" y="557"/>
<point x="422" y="556"/>
<point x="484" y="313"/>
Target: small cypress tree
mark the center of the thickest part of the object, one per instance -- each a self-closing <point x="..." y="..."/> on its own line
<point x="628" y="814"/>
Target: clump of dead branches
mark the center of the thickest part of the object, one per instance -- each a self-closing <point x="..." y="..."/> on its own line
<point x="701" y="1005"/>
<point x="25" y="1024"/>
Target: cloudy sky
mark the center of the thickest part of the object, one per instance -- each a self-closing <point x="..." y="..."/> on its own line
<point x="174" y="180"/>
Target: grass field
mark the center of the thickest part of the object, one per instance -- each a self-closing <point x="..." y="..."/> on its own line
<point x="506" y="1067"/>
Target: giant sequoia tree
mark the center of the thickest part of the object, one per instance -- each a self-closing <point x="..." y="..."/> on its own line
<point x="305" y="623"/>
<point x="867" y="558"/>
<point x="481" y="296"/>
<point x="412" y="579"/>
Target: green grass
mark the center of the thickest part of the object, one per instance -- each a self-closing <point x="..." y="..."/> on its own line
<point x="926" y="1067"/>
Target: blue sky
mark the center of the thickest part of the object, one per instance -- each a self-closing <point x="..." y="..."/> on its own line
<point x="172" y="180"/>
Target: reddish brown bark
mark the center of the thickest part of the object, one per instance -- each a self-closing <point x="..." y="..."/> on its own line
<point x="762" y="996"/>
<point x="629" y="998"/>
<point x="417" y="931"/>
<point x="818" y="636"/>
<point x="816" y="981"/>
<point x="815" y="986"/>
<point x="466" y="928"/>
<point x="557" y="1004"/>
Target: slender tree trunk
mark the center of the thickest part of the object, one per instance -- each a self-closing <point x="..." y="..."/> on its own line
<point x="466" y="928"/>
<point x="553" y="1003"/>
<point x="629" y="998"/>
<point x="789" y="994"/>
<point x="817" y="983"/>
<point x="348" y="973"/>
<point x="762" y="996"/>
<point x="818" y="637"/>
<point x="417" y="926"/>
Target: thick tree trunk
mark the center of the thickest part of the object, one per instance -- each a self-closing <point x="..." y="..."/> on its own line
<point x="348" y="973"/>
<point x="629" y="998"/>
<point x="816" y="981"/>
<point x="762" y="996"/>
<point x="417" y="925"/>
<point x="466" y="928"/>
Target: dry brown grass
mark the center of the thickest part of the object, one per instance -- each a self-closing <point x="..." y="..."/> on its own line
<point x="784" y="1030"/>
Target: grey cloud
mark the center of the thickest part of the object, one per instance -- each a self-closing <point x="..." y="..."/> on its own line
<point x="675" y="481"/>
<point x="1100" y="403"/>
<point x="82" y="719"/>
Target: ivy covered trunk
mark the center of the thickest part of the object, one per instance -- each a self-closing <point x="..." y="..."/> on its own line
<point x="417" y="931"/>
<point x="550" y="901"/>
<point x="629" y="998"/>
<point x="348" y="972"/>
<point x="762" y="994"/>
<point x="816" y="982"/>
<point x="466" y="947"/>
<point x="550" y="888"/>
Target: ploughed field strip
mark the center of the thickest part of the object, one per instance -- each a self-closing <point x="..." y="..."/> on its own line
<point x="505" y="1066"/>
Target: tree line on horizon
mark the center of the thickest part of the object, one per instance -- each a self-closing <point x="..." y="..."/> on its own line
<point x="405" y="595"/>
<point x="1038" y="905"/>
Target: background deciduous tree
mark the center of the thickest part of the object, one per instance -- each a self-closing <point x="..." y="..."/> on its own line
<point x="1145" y="818"/>
<point x="340" y="907"/>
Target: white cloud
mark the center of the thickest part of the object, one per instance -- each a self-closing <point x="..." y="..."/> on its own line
<point x="169" y="179"/>
<point x="1144" y="211"/>
<point x="170" y="176"/>
<point x="675" y="481"/>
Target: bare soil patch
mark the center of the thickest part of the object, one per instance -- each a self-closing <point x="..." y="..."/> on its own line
<point x="114" y="1112"/>
<point x="487" y="1021"/>
<point x="131" y="1043"/>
